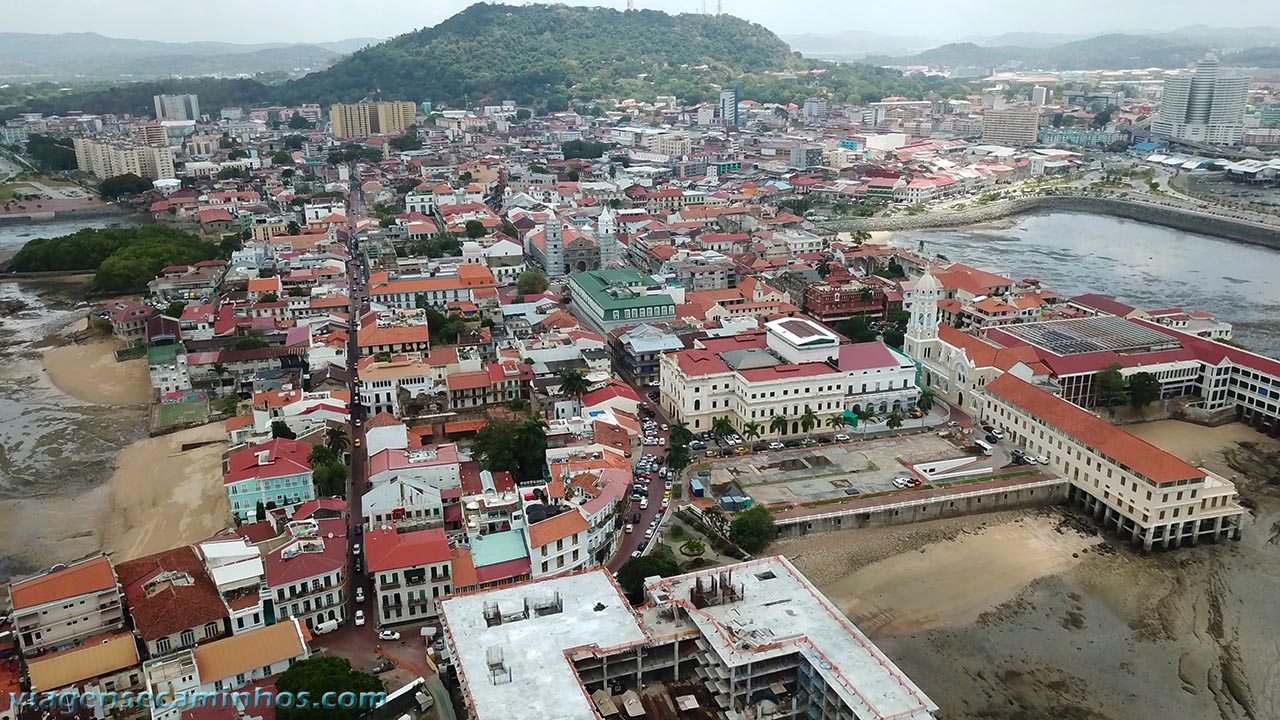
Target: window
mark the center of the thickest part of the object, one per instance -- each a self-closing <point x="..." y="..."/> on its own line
<point x="188" y="638"/>
<point x="162" y="645"/>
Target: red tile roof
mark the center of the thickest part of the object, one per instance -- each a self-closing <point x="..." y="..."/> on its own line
<point x="700" y="362"/>
<point x="79" y="578"/>
<point x="169" y="592"/>
<point x="1139" y="455"/>
<point x="865" y="356"/>
<point x="284" y="457"/>
<point x="557" y="528"/>
<point x="390" y="550"/>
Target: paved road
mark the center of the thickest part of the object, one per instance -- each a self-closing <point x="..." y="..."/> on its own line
<point x="630" y="542"/>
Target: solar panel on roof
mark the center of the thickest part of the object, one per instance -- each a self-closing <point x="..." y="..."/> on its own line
<point x="1093" y="334"/>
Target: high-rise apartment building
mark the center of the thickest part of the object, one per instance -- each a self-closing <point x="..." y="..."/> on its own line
<point x="729" y="107"/>
<point x="1039" y="96"/>
<point x="356" y="120"/>
<point x="1205" y="106"/>
<point x="1012" y="126"/>
<point x="107" y="159"/>
<point x="177" y="107"/>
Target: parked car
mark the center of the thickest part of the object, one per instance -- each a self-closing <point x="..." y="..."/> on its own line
<point x="808" y="442"/>
<point x="1042" y="459"/>
<point x="991" y="438"/>
<point x="697" y="445"/>
<point x="775" y="445"/>
<point x="902" y="483"/>
<point x="355" y="549"/>
<point x="988" y="428"/>
<point x="713" y="453"/>
<point x="628" y="528"/>
<point x="999" y="434"/>
<point x="842" y="438"/>
<point x="791" y="444"/>
<point x="635" y="517"/>
<point x="852" y="491"/>
<point x="359" y="618"/>
<point x="388" y="635"/>
<point x="359" y="594"/>
<point x="644" y="503"/>
<point x="742" y="450"/>
<point x="384" y="666"/>
<point x="636" y="553"/>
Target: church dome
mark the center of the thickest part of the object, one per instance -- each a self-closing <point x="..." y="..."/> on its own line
<point x="928" y="283"/>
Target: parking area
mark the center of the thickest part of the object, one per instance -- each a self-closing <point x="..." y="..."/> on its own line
<point x="833" y="471"/>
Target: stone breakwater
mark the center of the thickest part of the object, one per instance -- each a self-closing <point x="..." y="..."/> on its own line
<point x="1178" y="218"/>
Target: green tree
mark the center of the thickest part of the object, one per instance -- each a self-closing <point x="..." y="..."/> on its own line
<point x="584" y="149"/>
<point x="1144" y="388"/>
<point x="229" y="244"/>
<point x="778" y="423"/>
<point x="120" y="185"/>
<point x="532" y="282"/>
<point x="382" y="357"/>
<point x="260" y="512"/>
<point x="475" y="229"/>
<point x="280" y="430"/>
<point x="174" y="310"/>
<point x="809" y="420"/>
<point x="925" y="402"/>
<point x="523" y="114"/>
<point x="531" y="451"/>
<point x="632" y="574"/>
<point x="722" y="426"/>
<point x="250" y="343"/>
<point x="321" y="455"/>
<point x="330" y="479"/>
<point x="753" y="530"/>
<point x="335" y="438"/>
<point x="1109" y="386"/>
<point x="297" y="121"/>
<point x="680" y="433"/>
<point x="752" y="430"/>
<point x="280" y="157"/>
<point x="836" y="421"/>
<point x="50" y="153"/>
<point x="293" y="228"/>
<point x="574" y="383"/>
<point x="318" y="675"/>
<point x="294" y="142"/>
<point x="678" y="458"/>
<point x="268" y="297"/>
<point x="895" y="420"/>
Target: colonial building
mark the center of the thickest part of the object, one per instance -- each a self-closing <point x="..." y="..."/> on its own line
<point x="410" y="572"/>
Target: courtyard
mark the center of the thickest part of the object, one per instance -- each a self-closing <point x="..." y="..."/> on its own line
<point x="827" y="472"/>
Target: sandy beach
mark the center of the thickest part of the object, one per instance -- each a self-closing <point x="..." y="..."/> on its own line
<point x="160" y="496"/>
<point x="878" y="237"/>
<point x="89" y="372"/>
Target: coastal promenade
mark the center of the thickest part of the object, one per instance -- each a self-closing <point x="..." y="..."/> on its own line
<point x="1239" y="226"/>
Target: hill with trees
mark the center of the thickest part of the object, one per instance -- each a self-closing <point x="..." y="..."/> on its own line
<point x="546" y="56"/>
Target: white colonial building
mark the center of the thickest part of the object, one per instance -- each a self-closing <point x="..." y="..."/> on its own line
<point x="796" y="367"/>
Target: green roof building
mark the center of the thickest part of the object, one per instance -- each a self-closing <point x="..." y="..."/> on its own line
<point x="609" y="299"/>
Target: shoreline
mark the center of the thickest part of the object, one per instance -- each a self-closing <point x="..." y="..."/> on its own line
<point x="89" y="372"/>
<point x="148" y="510"/>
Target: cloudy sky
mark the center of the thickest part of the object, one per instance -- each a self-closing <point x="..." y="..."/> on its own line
<point x="320" y="20"/>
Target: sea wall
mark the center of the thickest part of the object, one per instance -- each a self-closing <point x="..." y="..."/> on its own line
<point x="898" y="512"/>
<point x="1147" y="212"/>
<point x="84" y="213"/>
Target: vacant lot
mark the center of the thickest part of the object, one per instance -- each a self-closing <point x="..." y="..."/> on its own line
<point x="829" y="471"/>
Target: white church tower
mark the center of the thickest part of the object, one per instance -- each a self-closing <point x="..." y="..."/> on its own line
<point x="607" y="238"/>
<point x="922" y="330"/>
<point x="553" y="246"/>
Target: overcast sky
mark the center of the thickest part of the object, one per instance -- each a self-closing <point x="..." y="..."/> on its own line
<point x="321" y="20"/>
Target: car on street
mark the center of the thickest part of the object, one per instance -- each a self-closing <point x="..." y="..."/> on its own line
<point x="713" y="453"/>
<point x="636" y="553"/>
<point x="742" y="450"/>
<point x="1042" y="459"/>
<point x="666" y="503"/>
<point x="359" y="594"/>
<point x="999" y="434"/>
<point x="808" y="442"/>
<point x="902" y="483"/>
<point x="775" y="445"/>
<point x="842" y="438"/>
<point x="357" y="442"/>
<point x="852" y="491"/>
<point x="988" y="428"/>
<point x="644" y="503"/>
<point x="635" y="517"/>
<point x="359" y="618"/>
<point x="697" y="445"/>
<point x="388" y="635"/>
<point x="666" y="485"/>
<point x="629" y="528"/>
<point x="791" y="444"/>
<point x="355" y="549"/>
<point x="643" y="544"/>
<point x="991" y="438"/>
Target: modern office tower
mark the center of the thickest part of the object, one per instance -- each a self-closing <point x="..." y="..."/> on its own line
<point x="1206" y="106"/>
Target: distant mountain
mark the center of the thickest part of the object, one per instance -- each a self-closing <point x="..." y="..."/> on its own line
<point x="855" y="44"/>
<point x="547" y="51"/>
<point x="1037" y="51"/>
<point x="348" y="46"/>
<point x="91" y="56"/>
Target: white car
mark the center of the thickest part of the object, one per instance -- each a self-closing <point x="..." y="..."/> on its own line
<point x="644" y="503"/>
<point x="775" y="445"/>
<point x="359" y="618"/>
<point x="901" y="483"/>
<point x="628" y="528"/>
<point x="359" y="594"/>
<point x="636" y="554"/>
<point x="388" y="635"/>
<point x="355" y="549"/>
<point x="1042" y="459"/>
<point x="842" y="438"/>
<point x="648" y="533"/>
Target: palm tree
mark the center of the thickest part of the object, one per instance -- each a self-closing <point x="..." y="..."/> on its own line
<point x="680" y="433"/>
<point x="865" y="416"/>
<point x="573" y="383"/>
<point x="722" y="426"/>
<point x="925" y="403"/>
<point x="836" y="421"/>
<point x="336" y="440"/>
<point x="809" y="420"/>
<point x="678" y="458"/>
<point x="894" y="421"/>
<point x="321" y="455"/>
<point x="752" y="430"/>
<point x="219" y="369"/>
<point x="778" y="424"/>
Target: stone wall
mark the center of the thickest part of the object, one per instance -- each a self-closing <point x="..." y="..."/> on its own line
<point x="898" y="512"/>
<point x="1147" y="212"/>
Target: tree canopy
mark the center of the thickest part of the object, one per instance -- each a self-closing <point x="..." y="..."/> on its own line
<point x="120" y="185"/>
<point x="318" y="675"/>
<point x="631" y="576"/>
<point x="124" y="258"/>
<point x="532" y="282"/>
<point x="752" y="530"/>
<point x="514" y="447"/>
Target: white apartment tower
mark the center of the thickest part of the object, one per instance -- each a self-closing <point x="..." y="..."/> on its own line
<point x="177" y="107"/>
<point x="553" y="249"/>
<point x="1205" y="106"/>
<point x="729" y="107"/>
<point x="607" y="237"/>
<point x="1039" y="96"/>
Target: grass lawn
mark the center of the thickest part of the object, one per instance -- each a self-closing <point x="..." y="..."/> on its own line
<point x="180" y="413"/>
<point x="6" y="190"/>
